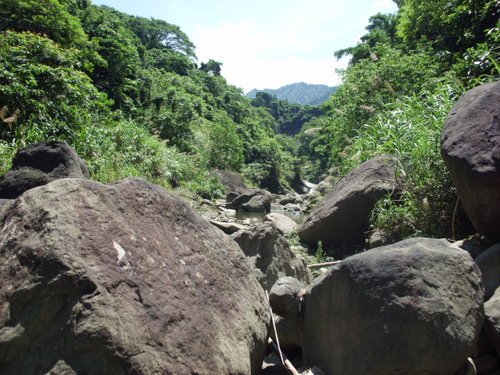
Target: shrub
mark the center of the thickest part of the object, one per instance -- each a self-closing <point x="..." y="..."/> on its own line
<point x="410" y="128"/>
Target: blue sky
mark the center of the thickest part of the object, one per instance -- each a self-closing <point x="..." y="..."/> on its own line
<point x="266" y="43"/>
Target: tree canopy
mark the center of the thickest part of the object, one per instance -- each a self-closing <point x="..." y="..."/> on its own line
<point x="129" y="94"/>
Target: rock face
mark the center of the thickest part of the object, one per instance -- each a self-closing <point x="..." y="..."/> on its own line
<point x="282" y="222"/>
<point x="285" y="298"/>
<point x="411" y="308"/>
<point x="269" y="254"/>
<point x="252" y="200"/>
<point x="470" y="146"/>
<point x="232" y="181"/>
<point x="342" y="218"/>
<point x="492" y="325"/>
<point x="40" y="163"/>
<point x="123" y="279"/>
<point x="489" y="264"/>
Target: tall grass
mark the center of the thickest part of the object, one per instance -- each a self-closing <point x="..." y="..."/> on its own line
<point x="409" y="128"/>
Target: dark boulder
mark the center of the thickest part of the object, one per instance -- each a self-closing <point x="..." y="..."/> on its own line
<point x="415" y="307"/>
<point x="489" y="264"/>
<point x="285" y="298"/>
<point x="298" y="184"/>
<point x="342" y="217"/>
<point x="492" y="324"/>
<point x="270" y="255"/>
<point x="39" y="164"/>
<point x="470" y="146"/>
<point x="252" y="200"/>
<point x="123" y="279"/>
<point x="232" y="181"/>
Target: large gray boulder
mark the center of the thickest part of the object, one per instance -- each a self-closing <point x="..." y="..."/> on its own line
<point x="123" y="279"/>
<point x="40" y="163"/>
<point x="269" y="254"/>
<point x="470" y="146"/>
<point x="492" y="324"/>
<point x="411" y="308"/>
<point x="343" y="216"/>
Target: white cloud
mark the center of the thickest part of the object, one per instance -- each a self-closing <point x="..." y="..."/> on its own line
<point x="267" y="43"/>
<point x="254" y="58"/>
<point x="293" y="44"/>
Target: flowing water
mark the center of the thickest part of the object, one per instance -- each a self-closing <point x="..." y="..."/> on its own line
<point x="258" y="217"/>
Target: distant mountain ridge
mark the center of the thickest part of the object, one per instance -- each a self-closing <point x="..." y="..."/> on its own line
<point x="299" y="93"/>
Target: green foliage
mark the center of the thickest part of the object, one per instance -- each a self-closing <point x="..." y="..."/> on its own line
<point x="75" y="7"/>
<point x="212" y="67"/>
<point x="320" y="255"/>
<point x="7" y="152"/>
<point x="158" y="34"/>
<point x="397" y="217"/>
<point x="448" y="26"/>
<point x="409" y="128"/>
<point x="298" y="93"/>
<point x="223" y="147"/>
<point x="117" y="74"/>
<point x="54" y="99"/>
<point x="126" y="93"/>
<point x="168" y="60"/>
<point x="368" y="86"/>
<point x="128" y="150"/>
<point x="172" y="107"/>
<point x="481" y="62"/>
<point x="45" y="17"/>
<point x="289" y="117"/>
<point x="381" y="31"/>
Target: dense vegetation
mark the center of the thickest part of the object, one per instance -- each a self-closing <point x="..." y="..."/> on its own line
<point x="404" y="76"/>
<point x="299" y="93"/>
<point x="129" y="94"/>
<point x="289" y="117"/>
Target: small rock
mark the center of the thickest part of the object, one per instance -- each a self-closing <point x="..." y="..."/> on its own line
<point x="232" y="181"/>
<point x="285" y="299"/>
<point x="377" y="238"/>
<point x="228" y="228"/>
<point x="61" y="368"/>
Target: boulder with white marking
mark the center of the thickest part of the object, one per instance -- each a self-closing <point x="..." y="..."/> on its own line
<point x="123" y="279"/>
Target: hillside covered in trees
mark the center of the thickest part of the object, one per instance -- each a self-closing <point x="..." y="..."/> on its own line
<point x="299" y="93"/>
<point x="129" y="94"/>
